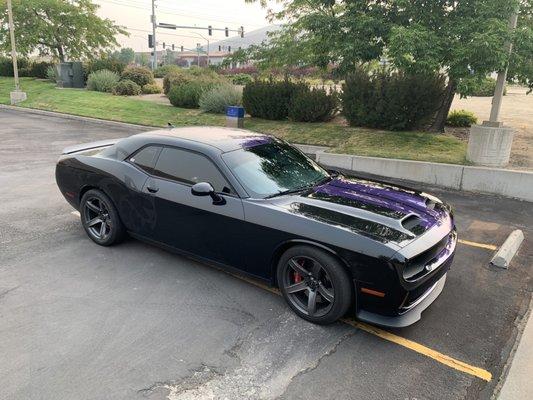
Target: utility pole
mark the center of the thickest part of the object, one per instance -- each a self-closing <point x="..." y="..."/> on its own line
<point x="17" y="95"/>
<point x="154" y="26"/>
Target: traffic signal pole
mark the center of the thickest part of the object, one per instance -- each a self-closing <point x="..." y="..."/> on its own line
<point x="154" y="26"/>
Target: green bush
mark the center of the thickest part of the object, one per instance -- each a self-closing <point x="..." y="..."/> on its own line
<point x="187" y="95"/>
<point x="313" y="105"/>
<point x="51" y="73"/>
<point x="127" y="88"/>
<point x="151" y="88"/>
<point x="102" y="81"/>
<point x="193" y="74"/>
<point x="39" y="69"/>
<point x="241" y="79"/>
<point x="461" y="118"/>
<point x="216" y="99"/>
<point x="391" y="100"/>
<point x="6" y="66"/>
<point x="165" y="69"/>
<point x="140" y="75"/>
<point x="109" y="63"/>
<point x="269" y="99"/>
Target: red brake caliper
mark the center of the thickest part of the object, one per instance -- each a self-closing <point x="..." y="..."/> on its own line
<point x="297" y="277"/>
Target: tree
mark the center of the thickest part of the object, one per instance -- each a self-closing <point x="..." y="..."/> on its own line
<point x="461" y="38"/>
<point x="125" y="55"/>
<point x="63" y="29"/>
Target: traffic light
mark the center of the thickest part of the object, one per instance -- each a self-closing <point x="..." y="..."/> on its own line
<point x="242" y="31"/>
<point x="226" y="30"/>
<point x="172" y="46"/>
<point x="181" y="48"/>
<point x="210" y="30"/>
<point x="164" y="45"/>
<point x="219" y="48"/>
<point x="229" y="49"/>
<point x="150" y="41"/>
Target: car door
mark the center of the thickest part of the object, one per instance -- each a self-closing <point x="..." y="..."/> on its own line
<point x="191" y="223"/>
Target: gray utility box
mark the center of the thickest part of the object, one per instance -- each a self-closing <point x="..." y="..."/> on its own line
<point x="70" y="75"/>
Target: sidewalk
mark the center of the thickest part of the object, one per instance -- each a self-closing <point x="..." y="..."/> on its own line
<point x="519" y="382"/>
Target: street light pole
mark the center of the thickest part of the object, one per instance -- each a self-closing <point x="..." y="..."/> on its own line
<point x="207" y="40"/>
<point x="17" y="95"/>
<point x="502" y="77"/>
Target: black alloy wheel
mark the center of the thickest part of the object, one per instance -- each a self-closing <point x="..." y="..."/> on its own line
<point x="100" y="218"/>
<point x="314" y="284"/>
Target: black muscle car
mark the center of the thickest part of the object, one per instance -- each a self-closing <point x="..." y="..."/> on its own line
<point x="251" y="202"/>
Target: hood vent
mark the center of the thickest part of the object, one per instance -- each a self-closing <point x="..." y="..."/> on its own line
<point x="413" y="223"/>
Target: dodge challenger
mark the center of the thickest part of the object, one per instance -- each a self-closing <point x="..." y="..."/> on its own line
<point x="251" y="202"/>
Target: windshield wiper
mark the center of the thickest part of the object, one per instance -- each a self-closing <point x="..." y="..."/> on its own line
<point x="301" y="188"/>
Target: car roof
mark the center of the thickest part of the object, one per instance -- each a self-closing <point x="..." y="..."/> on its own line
<point x="223" y="139"/>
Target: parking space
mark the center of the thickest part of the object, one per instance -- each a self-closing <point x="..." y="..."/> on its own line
<point x="134" y="321"/>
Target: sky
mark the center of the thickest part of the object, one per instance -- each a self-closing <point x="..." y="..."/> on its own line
<point x="135" y="16"/>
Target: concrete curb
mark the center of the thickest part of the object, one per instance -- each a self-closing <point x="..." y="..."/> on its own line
<point x="508" y="249"/>
<point x="504" y="182"/>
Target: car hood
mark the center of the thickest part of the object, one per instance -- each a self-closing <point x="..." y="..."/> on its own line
<point x="383" y="212"/>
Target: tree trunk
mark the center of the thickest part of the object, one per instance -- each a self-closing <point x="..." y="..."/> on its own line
<point x="442" y="113"/>
<point x="60" y="53"/>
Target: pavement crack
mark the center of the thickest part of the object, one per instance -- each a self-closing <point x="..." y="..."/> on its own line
<point x="5" y="292"/>
<point x="316" y="364"/>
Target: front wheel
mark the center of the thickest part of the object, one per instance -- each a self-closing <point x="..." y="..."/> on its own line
<point x="314" y="284"/>
<point x="100" y="219"/>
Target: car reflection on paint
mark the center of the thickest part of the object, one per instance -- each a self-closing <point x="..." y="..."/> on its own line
<point x="250" y="202"/>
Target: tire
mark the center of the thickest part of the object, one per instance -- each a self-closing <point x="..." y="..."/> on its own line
<point x="100" y="219"/>
<point x="306" y="276"/>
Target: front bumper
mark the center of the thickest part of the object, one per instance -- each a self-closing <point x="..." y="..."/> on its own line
<point x="408" y="317"/>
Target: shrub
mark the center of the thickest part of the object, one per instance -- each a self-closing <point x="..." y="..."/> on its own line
<point x="203" y="75"/>
<point x="187" y="95"/>
<point x="269" y="99"/>
<point x="151" y="88"/>
<point x="216" y="99"/>
<point x="39" y="69"/>
<point x="483" y="87"/>
<point x="391" y="100"/>
<point x="127" y="88"/>
<point x="109" y="63"/>
<point x="140" y="75"/>
<point x="102" y="81"/>
<point x="313" y="105"/>
<point x="461" y="118"/>
<point x="6" y="66"/>
<point x="165" y="69"/>
<point x="51" y="73"/>
<point x="241" y="79"/>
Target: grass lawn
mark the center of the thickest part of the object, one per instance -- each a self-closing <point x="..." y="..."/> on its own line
<point x="360" y="141"/>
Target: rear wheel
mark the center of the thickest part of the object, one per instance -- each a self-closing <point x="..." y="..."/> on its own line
<point x="314" y="284"/>
<point x="100" y="219"/>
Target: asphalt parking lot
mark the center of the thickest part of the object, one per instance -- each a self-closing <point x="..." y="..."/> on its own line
<point x="79" y="321"/>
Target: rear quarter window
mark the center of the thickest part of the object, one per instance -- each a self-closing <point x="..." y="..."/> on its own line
<point x="145" y="158"/>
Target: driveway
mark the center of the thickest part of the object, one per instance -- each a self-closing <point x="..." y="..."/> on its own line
<point x="79" y="321"/>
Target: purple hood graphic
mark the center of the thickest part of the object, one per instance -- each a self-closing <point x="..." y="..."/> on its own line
<point x="385" y="200"/>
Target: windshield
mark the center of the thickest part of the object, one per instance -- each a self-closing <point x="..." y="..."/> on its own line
<point x="272" y="168"/>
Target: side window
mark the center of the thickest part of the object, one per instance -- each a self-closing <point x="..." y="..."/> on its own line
<point x="145" y="158"/>
<point x="190" y="168"/>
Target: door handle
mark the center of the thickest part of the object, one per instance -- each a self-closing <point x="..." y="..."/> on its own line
<point x="152" y="189"/>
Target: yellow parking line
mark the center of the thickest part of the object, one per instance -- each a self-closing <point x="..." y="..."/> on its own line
<point x="421" y="349"/>
<point x="409" y="344"/>
<point x="480" y="245"/>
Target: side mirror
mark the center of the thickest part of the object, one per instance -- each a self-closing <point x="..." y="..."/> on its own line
<point x="206" y="189"/>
